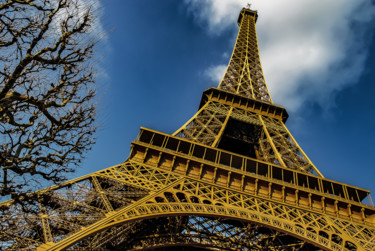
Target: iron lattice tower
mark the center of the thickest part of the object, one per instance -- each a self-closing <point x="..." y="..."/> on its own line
<point x="231" y="178"/>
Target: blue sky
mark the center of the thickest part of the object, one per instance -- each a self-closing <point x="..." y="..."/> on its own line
<point x="318" y="62"/>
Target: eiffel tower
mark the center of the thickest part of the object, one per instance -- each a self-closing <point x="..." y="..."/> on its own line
<point x="231" y="178"/>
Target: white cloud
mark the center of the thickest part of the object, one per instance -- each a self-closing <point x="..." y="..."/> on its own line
<point x="215" y="73"/>
<point x="308" y="49"/>
<point x="218" y="14"/>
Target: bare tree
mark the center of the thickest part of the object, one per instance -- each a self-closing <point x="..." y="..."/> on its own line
<point x="47" y="95"/>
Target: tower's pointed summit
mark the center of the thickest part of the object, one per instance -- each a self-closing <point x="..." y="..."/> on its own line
<point x="244" y="75"/>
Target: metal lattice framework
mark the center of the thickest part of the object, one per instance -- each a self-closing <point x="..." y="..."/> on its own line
<point x="231" y="178"/>
<point x="244" y="75"/>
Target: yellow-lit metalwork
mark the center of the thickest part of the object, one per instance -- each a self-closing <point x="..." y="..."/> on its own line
<point x="231" y="178"/>
<point x="244" y="75"/>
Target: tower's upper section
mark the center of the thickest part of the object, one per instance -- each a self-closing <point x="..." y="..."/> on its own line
<point x="246" y="11"/>
<point x="244" y="75"/>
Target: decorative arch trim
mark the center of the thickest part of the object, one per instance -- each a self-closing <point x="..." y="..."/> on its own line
<point x="156" y="210"/>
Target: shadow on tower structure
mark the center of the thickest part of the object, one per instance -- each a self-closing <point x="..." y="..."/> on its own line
<point x="231" y="178"/>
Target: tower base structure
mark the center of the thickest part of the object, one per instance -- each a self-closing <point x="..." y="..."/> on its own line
<point x="175" y="192"/>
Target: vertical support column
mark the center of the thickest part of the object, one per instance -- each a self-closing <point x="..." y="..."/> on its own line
<point x="187" y="167"/>
<point x="363" y="215"/>
<point x="214" y="176"/>
<point x="218" y="136"/>
<point x="45" y="223"/>
<point x="336" y="208"/>
<point x="242" y="183"/>
<point x="159" y="159"/>
<point x="201" y="171"/>
<point x="350" y="211"/>
<point x="269" y="138"/>
<point x="297" y="198"/>
<point x="270" y="190"/>
<point x="228" y="180"/>
<point x="173" y="162"/>
<point x="46" y="229"/>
